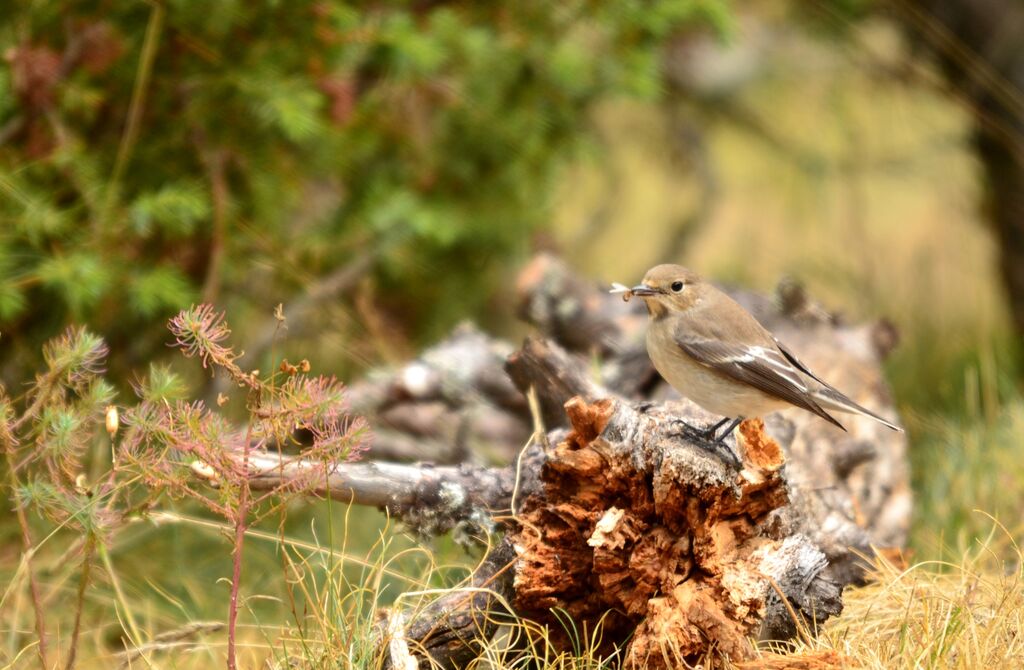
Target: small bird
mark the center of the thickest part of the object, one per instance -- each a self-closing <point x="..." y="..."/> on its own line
<point x="716" y="353"/>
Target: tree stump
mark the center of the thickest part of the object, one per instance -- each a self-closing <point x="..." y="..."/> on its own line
<point x="680" y="546"/>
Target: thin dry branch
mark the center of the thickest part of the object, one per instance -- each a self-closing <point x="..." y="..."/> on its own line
<point x="431" y="500"/>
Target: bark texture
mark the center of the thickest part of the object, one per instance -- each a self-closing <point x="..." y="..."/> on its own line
<point x="452" y="404"/>
<point x="679" y="544"/>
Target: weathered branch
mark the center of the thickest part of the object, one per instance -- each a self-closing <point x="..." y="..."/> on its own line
<point x="430" y="500"/>
<point x="566" y="307"/>
<point x="450" y="630"/>
<point x="465" y="366"/>
<point x="554" y="375"/>
<point x="453" y="400"/>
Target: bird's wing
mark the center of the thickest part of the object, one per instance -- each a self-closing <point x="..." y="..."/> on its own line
<point x="762" y="366"/>
<point x="830" y="396"/>
<point x="797" y="363"/>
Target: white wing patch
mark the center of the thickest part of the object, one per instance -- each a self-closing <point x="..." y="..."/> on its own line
<point x="778" y="364"/>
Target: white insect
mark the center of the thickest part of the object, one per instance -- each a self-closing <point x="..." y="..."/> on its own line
<point x="626" y="292"/>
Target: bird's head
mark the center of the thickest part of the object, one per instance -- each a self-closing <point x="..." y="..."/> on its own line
<point x="668" y="289"/>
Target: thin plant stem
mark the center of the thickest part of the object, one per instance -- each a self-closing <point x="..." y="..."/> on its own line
<point x="236" y="575"/>
<point x="83" y="583"/>
<point x="236" y="568"/>
<point x="44" y="391"/>
<point x="135" y="107"/>
<point x="28" y="550"/>
<point x="133" y="628"/>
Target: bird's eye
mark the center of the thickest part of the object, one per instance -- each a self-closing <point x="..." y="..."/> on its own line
<point x="677" y="286"/>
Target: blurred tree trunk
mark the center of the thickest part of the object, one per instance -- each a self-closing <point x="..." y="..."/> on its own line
<point x="980" y="46"/>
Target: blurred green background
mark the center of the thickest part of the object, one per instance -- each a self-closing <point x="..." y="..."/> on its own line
<point x="383" y="168"/>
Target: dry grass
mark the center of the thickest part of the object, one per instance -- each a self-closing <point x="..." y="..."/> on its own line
<point x="963" y="613"/>
<point x="966" y="614"/>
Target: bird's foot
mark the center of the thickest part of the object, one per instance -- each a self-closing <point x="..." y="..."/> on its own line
<point x="709" y="438"/>
<point x="686" y="430"/>
<point x="711" y="434"/>
<point x="726" y="452"/>
<point x="725" y="433"/>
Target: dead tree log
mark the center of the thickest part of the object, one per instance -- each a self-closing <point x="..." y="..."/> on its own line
<point x="452" y="404"/>
<point x="632" y="520"/>
<point x="623" y="509"/>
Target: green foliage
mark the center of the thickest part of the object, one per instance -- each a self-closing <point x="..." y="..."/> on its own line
<point x="431" y="133"/>
<point x="965" y="463"/>
<point x="174" y="209"/>
<point x="154" y="291"/>
<point x="60" y="420"/>
<point x="12" y="297"/>
<point x="161" y="385"/>
<point x="80" y="279"/>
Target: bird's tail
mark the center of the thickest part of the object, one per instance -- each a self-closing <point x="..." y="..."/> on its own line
<point x="831" y="399"/>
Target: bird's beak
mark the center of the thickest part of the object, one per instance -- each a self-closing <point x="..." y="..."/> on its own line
<point x="643" y="290"/>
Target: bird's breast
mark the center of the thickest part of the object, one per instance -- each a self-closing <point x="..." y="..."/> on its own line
<point x="714" y="391"/>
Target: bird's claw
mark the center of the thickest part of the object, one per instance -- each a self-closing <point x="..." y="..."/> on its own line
<point x="706" y="439"/>
<point x="687" y="430"/>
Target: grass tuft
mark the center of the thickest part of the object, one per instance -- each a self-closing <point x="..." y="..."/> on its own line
<point x="935" y="614"/>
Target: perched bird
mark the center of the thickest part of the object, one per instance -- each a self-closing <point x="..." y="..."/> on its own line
<point x="716" y="353"/>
